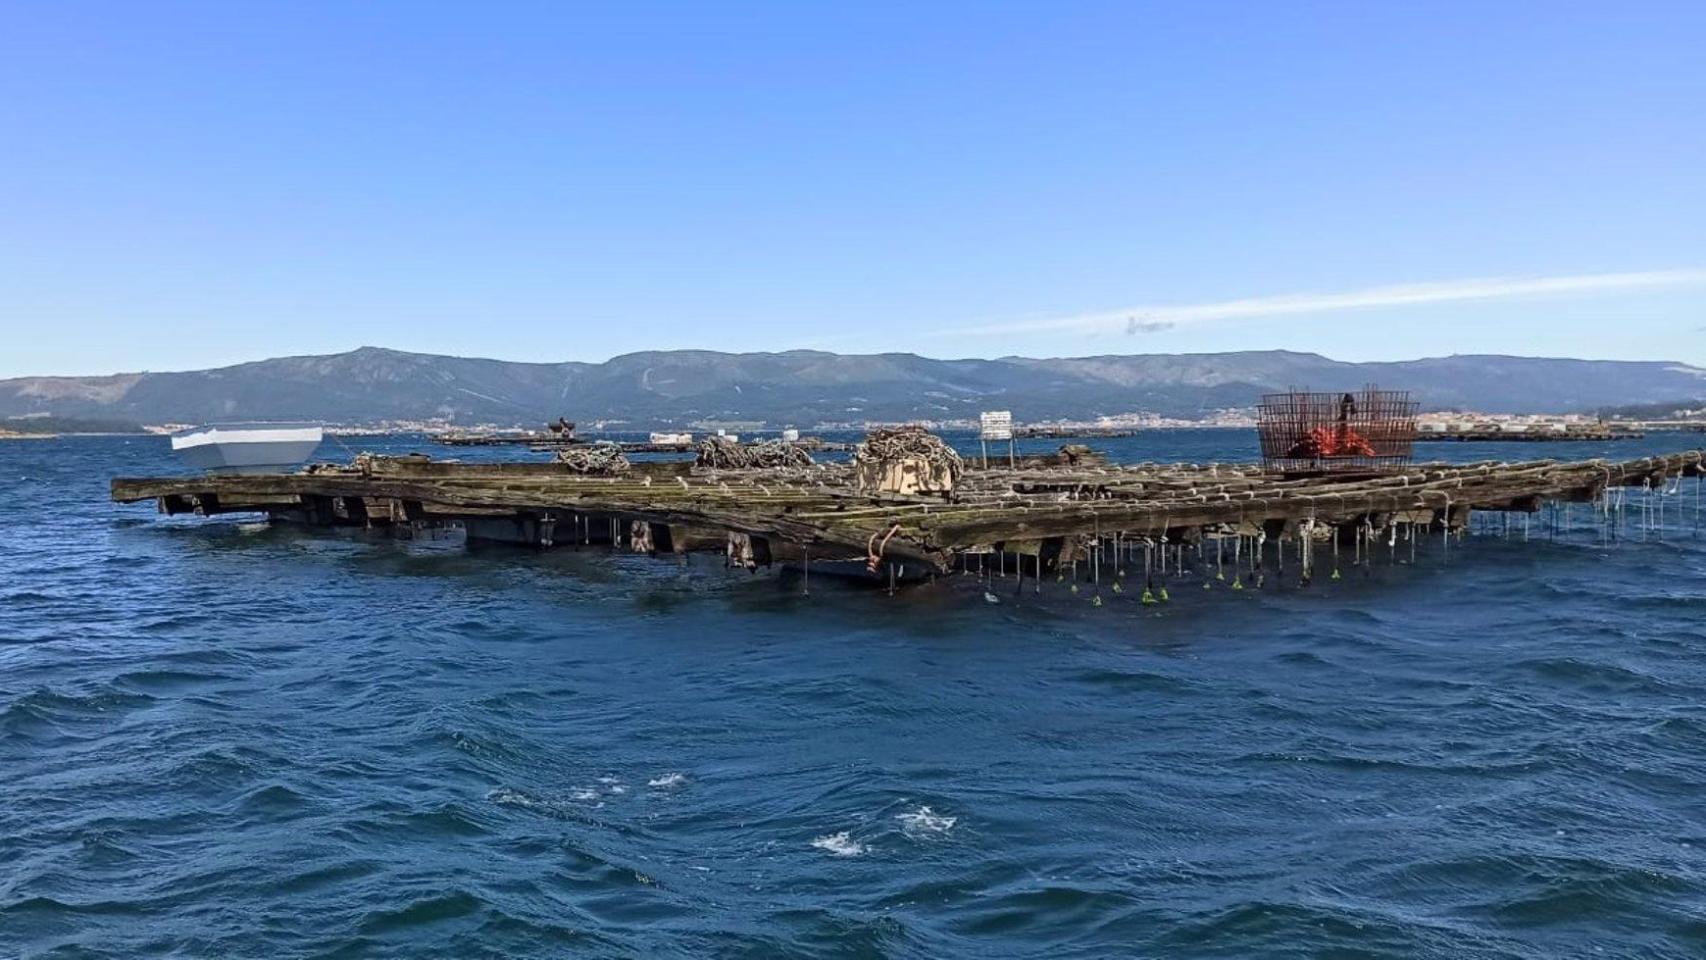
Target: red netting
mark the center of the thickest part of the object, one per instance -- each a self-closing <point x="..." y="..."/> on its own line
<point x="1368" y="429"/>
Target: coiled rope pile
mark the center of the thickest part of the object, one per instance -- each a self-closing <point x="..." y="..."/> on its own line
<point x="721" y="453"/>
<point x="595" y="460"/>
<point x="887" y="445"/>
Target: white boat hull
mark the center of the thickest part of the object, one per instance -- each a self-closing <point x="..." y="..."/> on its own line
<point x="248" y="448"/>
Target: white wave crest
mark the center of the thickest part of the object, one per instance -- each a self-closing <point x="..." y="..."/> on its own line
<point x="509" y="797"/>
<point x="512" y="798"/>
<point x="925" y="820"/>
<point x="667" y="781"/>
<point x="840" y="844"/>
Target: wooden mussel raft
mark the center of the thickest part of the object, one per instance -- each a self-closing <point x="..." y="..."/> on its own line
<point x="908" y="509"/>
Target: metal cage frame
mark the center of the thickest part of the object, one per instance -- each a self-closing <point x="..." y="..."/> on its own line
<point x="1364" y="430"/>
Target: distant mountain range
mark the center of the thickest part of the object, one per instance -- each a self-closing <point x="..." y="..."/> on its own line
<point x="806" y="388"/>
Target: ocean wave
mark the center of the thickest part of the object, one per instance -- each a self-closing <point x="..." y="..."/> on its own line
<point x="328" y="875"/>
<point x="1471" y="766"/>
<point x="1040" y="912"/>
<point x="45" y="707"/>
<point x="485" y="747"/>
<point x="839" y="844"/>
<point x="1133" y="680"/>
<point x="1598" y="675"/>
<point x="925" y="822"/>
<point x="163" y="680"/>
<point x="576" y="804"/>
<point x="1271" y="927"/>
<point x="42" y="904"/>
<point x="273" y="799"/>
<point x="445" y="819"/>
<point x="422" y="912"/>
<point x="21" y="597"/>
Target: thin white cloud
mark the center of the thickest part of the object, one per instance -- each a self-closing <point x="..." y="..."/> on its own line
<point x="1158" y="317"/>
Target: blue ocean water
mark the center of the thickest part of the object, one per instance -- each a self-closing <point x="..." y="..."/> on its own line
<point x="223" y="739"/>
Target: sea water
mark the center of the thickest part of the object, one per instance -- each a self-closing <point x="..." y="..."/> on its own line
<point x="220" y="738"/>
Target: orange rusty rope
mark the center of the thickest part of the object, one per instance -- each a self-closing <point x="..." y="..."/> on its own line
<point x="874" y="550"/>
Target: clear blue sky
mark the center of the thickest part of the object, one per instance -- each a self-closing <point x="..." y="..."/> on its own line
<point x="183" y="185"/>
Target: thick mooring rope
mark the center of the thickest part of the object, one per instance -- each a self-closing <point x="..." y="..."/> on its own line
<point x="874" y="548"/>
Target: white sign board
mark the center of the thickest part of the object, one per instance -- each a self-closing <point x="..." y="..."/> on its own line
<point x="997" y="424"/>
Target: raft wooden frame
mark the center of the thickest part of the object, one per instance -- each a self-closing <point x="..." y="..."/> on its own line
<point x="788" y="515"/>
